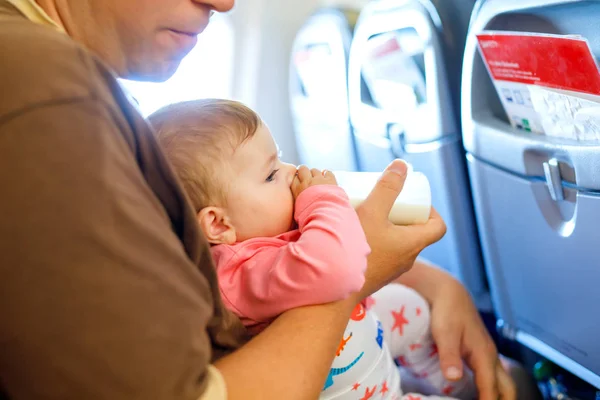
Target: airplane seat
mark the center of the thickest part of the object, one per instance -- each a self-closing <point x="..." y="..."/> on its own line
<point x="540" y="250"/>
<point x="319" y="92"/>
<point x="403" y="89"/>
<point x="455" y="16"/>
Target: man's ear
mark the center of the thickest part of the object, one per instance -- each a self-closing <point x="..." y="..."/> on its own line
<point x="216" y="225"/>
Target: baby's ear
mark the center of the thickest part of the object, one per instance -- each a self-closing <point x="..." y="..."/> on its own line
<point x="216" y="225"/>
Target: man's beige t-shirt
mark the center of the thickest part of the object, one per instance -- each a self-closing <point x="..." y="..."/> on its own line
<point x="35" y="13"/>
<point x="108" y="290"/>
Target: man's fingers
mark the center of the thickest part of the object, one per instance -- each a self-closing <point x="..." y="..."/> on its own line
<point x="506" y="385"/>
<point x="483" y="364"/>
<point x="303" y="173"/>
<point x="486" y="385"/>
<point x="430" y="232"/>
<point x="448" y="344"/>
<point x="315" y="172"/>
<point x="384" y="194"/>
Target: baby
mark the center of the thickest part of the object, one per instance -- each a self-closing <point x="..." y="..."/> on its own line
<point x="285" y="237"/>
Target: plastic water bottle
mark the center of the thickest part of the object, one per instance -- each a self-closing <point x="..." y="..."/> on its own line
<point x="413" y="205"/>
<point x="549" y="384"/>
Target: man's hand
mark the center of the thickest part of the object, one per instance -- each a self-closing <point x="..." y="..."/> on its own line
<point x="460" y="334"/>
<point x="394" y="248"/>
<point x="306" y="178"/>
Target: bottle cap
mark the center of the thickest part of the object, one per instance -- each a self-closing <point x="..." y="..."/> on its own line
<point x="542" y="370"/>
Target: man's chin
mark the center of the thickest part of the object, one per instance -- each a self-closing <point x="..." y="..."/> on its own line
<point x="154" y="72"/>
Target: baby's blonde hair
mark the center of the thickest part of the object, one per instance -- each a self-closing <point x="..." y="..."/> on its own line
<point x="198" y="138"/>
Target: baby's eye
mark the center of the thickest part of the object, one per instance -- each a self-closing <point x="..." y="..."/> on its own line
<point x="272" y="176"/>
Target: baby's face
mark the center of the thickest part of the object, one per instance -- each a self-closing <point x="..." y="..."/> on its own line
<point x="259" y="198"/>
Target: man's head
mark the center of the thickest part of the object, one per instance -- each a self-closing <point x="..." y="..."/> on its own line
<point x="140" y="39"/>
<point x="229" y="165"/>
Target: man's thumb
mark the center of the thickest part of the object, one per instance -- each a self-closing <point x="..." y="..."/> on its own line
<point x="388" y="187"/>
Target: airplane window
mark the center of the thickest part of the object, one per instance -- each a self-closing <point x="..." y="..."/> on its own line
<point x="205" y="72"/>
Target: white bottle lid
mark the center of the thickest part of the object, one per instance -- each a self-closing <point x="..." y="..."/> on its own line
<point x="413" y="205"/>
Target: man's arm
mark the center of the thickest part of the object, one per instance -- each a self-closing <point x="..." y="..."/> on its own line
<point x="459" y="332"/>
<point x="291" y="358"/>
<point x="426" y="279"/>
<point x="98" y="298"/>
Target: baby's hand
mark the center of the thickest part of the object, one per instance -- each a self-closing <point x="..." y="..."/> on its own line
<point x="306" y="178"/>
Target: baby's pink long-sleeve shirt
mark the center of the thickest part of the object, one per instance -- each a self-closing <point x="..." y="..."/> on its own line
<point x="322" y="261"/>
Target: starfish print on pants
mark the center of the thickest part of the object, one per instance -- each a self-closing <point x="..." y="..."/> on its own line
<point x="448" y="390"/>
<point x="415" y="346"/>
<point x="369" y="393"/>
<point x="399" y="321"/>
<point x="434" y="351"/>
<point x="384" y="388"/>
<point x="402" y="361"/>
